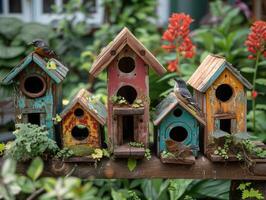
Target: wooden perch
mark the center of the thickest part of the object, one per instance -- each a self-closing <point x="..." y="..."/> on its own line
<point x="153" y="168"/>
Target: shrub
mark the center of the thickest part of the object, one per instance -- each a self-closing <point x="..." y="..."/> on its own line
<point x="31" y="141"/>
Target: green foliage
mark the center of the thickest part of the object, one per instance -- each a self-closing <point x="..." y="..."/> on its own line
<point x="131" y="164"/>
<point x="2" y="148"/>
<point x="64" y="153"/>
<point x="31" y="141"/>
<point x="136" y="144"/>
<point x="35" y="168"/>
<point x="249" y="192"/>
<point x="147" y="154"/>
<point x="81" y="150"/>
<point x="118" y="100"/>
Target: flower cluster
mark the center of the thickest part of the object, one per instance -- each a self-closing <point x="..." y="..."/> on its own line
<point x="178" y="39"/>
<point x="256" y="41"/>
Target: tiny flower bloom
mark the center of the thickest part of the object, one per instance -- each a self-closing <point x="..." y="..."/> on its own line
<point x="172" y="65"/>
<point x="254" y="94"/>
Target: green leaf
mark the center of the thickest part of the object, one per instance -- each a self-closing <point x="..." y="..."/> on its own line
<point x="247" y="70"/>
<point x="9" y="167"/>
<point x="177" y="188"/>
<point x="10" y="27"/>
<point x="10" y="52"/>
<point x="261" y="106"/>
<point x="131" y="164"/>
<point x="117" y="195"/>
<point x="35" y="169"/>
<point x="261" y="81"/>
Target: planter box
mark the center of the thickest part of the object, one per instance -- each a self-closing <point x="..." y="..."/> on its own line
<point x="217" y="158"/>
<point x="257" y="166"/>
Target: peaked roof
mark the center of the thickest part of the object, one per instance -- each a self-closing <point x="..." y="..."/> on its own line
<point x="210" y="69"/>
<point x="125" y="37"/>
<point x="89" y="103"/>
<point x="57" y="74"/>
<point x="169" y="103"/>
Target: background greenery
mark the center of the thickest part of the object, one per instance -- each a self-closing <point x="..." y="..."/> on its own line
<point x="78" y="44"/>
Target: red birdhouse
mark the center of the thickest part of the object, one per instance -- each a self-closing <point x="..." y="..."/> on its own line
<point x="127" y="62"/>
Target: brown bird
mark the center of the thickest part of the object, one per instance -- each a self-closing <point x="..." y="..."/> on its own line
<point x="42" y="49"/>
<point x="178" y="149"/>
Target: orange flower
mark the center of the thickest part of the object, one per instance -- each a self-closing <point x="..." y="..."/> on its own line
<point x="172" y="65"/>
<point x="254" y="94"/>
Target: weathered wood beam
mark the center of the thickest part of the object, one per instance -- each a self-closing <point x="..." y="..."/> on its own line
<point x="153" y="168"/>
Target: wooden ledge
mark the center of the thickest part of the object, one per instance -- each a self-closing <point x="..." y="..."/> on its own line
<point x="126" y="151"/>
<point x="153" y="168"/>
<point x="128" y="111"/>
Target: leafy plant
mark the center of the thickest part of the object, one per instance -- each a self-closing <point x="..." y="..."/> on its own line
<point x="249" y="192"/>
<point x="31" y="141"/>
<point x="2" y="148"/>
<point x="64" y="153"/>
<point x="118" y="100"/>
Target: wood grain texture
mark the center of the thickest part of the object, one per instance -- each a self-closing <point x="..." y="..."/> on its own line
<point x="202" y="169"/>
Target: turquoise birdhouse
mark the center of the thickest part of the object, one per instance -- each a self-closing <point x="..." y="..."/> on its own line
<point x="37" y="87"/>
<point x="179" y="122"/>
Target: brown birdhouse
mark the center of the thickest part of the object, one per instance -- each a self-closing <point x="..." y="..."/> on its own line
<point x="219" y="90"/>
<point x="82" y="120"/>
<point x="127" y="62"/>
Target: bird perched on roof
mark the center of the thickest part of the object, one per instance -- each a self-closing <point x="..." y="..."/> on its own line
<point x="183" y="93"/>
<point x="42" y="49"/>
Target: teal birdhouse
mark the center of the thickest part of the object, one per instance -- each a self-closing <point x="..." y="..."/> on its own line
<point x="37" y="90"/>
<point x="179" y="122"/>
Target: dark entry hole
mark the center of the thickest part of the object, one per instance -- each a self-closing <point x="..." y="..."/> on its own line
<point x="224" y="92"/>
<point x="128" y="92"/>
<point x="80" y="132"/>
<point x="178" y="134"/>
<point x="126" y="64"/>
<point x="128" y="129"/>
<point x="225" y="125"/>
<point x="178" y="112"/>
<point x="34" y="85"/>
<point x="34" y="118"/>
<point x="78" y="112"/>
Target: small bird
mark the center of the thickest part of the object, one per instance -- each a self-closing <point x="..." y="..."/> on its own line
<point x="182" y="92"/>
<point x="178" y="149"/>
<point x="42" y="49"/>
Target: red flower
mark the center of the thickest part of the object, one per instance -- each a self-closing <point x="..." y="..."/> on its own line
<point x="172" y="66"/>
<point x="254" y="94"/>
<point x="178" y="39"/>
<point x="256" y="40"/>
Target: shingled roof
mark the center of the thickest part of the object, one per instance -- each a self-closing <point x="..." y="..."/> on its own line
<point x="58" y="74"/>
<point x="169" y="103"/>
<point x="88" y="103"/>
<point x="210" y="69"/>
<point x="125" y="37"/>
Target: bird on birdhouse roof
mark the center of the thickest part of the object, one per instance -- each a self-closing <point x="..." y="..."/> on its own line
<point x="42" y="49"/>
<point x="183" y="93"/>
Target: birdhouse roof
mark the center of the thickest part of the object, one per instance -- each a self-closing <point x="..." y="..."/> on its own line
<point x="90" y="104"/>
<point x="58" y="73"/>
<point x="169" y="103"/>
<point x="125" y="37"/>
<point x="210" y="69"/>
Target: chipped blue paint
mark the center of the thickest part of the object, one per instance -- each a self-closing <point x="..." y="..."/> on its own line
<point x="21" y="103"/>
<point x="187" y="121"/>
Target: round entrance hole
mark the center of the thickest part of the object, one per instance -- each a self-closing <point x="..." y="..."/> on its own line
<point x="128" y="92"/>
<point x="224" y="92"/>
<point x="178" y="134"/>
<point x="80" y="132"/>
<point x="178" y="112"/>
<point x="34" y="86"/>
<point x="78" y="112"/>
<point x="126" y="64"/>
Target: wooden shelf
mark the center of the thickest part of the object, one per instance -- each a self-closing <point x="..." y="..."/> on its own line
<point x="202" y="169"/>
<point x="128" y="111"/>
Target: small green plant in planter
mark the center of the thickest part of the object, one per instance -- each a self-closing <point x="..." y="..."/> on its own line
<point x="31" y="141"/>
<point x="64" y="153"/>
<point x="118" y="100"/>
<point x="247" y="192"/>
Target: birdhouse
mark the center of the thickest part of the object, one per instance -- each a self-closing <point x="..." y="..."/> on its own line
<point x="82" y="121"/>
<point x="127" y="62"/>
<point x="219" y="90"/>
<point x="37" y="90"/>
<point x="178" y="121"/>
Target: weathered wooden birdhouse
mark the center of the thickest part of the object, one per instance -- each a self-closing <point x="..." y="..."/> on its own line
<point x="127" y="62"/>
<point x="219" y="90"/>
<point x="179" y="122"/>
<point x="82" y="121"/>
<point x="37" y="90"/>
